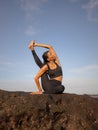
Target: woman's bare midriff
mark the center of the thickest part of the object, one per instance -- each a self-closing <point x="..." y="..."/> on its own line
<point x="59" y="78"/>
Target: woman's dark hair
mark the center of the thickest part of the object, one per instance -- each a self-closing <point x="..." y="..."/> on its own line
<point x="45" y="57"/>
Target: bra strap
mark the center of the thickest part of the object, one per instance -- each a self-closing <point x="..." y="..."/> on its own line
<point x="56" y="63"/>
<point x="48" y="65"/>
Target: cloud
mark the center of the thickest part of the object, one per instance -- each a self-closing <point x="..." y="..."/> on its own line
<point x="30" y="31"/>
<point x="85" y="69"/>
<point x="30" y="6"/>
<point x="73" y="1"/>
<point x="6" y="64"/>
<point x="81" y="85"/>
<point x="92" y="10"/>
<point x="18" y="85"/>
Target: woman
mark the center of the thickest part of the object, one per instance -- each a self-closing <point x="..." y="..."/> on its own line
<point x="50" y="71"/>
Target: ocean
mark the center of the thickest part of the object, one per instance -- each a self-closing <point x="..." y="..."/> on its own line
<point x="94" y="96"/>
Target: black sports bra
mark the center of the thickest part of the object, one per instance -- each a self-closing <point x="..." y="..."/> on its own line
<point x="53" y="73"/>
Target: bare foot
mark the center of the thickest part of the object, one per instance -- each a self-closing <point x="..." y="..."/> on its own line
<point x="31" y="45"/>
<point x="36" y="93"/>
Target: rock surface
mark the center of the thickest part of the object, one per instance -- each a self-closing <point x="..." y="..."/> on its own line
<point x="22" y="111"/>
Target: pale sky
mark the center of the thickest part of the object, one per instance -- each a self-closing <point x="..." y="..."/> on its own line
<point x="70" y="26"/>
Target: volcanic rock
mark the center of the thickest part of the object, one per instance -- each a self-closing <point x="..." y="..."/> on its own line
<point x="22" y="111"/>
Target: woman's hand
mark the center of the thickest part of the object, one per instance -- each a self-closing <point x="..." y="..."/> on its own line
<point x="31" y="45"/>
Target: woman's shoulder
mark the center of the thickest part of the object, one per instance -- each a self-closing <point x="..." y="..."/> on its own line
<point x="45" y="66"/>
<point x="58" y="63"/>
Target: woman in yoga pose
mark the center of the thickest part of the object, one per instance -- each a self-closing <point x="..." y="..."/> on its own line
<point x="50" y="71"/>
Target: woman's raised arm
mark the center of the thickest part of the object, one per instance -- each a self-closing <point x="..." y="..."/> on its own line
<point x="52" y="51"/>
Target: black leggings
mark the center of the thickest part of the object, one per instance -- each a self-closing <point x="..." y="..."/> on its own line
<point x="49" y="86"/>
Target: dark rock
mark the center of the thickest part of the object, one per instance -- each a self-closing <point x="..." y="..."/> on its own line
<point x="22" y="111"/>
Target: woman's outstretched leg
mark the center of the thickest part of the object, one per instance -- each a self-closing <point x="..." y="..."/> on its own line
<point x="36" y="58"/>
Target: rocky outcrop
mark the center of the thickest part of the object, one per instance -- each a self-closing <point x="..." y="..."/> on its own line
<point x="22" y="111"/>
